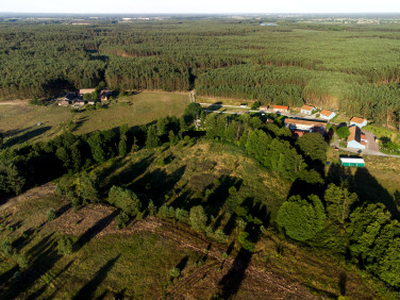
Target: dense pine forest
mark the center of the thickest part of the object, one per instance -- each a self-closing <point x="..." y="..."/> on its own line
<point x="351" y="67"/>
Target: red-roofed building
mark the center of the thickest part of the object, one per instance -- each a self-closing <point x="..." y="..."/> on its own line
<point x="280" y="108"/>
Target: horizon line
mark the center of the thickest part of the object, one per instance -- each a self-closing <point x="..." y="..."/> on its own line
<point x="202" y="13"/>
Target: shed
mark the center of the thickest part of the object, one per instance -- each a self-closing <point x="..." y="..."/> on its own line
<point x="352" y="162"/>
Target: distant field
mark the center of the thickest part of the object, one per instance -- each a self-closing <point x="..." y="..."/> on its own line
<point x="19" y="122"/>
<point x="133" y="110"/>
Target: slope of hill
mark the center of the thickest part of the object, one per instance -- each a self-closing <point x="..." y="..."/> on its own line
<point x="137" y="261"/>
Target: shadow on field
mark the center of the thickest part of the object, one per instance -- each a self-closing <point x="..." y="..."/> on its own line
<point x="367" y="188"/>
<point x="128" y="174"/>
<point x="158" y="183"/>
<point x="44" y="256"/>
<point x="26" y="136"/>
<point x="88" y="290"/>
<point x="94" y="230"/>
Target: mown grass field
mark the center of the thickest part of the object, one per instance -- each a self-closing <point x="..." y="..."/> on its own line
<point x="19" y="122"/>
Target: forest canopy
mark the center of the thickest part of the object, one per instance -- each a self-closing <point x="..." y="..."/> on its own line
<point x="354" y="68"/>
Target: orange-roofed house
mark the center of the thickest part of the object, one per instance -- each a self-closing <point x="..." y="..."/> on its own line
<point x="307" y="109"/>
<point x="280" y="108"/>
<point x="327" y="114"/>
<point x="356" y="139"/>
<point x="360" y="122"/>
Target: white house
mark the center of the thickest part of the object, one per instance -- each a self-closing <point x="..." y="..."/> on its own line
<point x="305" y="125"/>
<point x="307" y="109"/>
<point x="327" y="114"/>
<point x="356" y="139"/>
<point x="360" y="122"/>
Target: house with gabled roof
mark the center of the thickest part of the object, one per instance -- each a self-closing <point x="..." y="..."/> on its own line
<point x="360" y="122"/>
<point x="327" y="114"/>
<point x="280" y="108"/>
<point x="307" y="109"/>
<point x="300" y="127"/>
<point x="357" y="139"/>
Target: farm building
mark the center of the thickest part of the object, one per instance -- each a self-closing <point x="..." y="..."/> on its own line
<point x="360" y="122"/>
<point x="280" y="108"/>
<point x="297" y="126"/>
<point x="105" y="95"/>
<point x="307" y="109"/>
<point x="304" y="124"/>
<point x="327" y="115"/>
<point x="352" y="162"/>
<point x="263" y="107"/>
<point x="356" y="139"/>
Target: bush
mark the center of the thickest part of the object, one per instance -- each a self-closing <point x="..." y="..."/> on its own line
<point x="51" y="215"/>
<point x="152" y="209"/>
<point x="6" y="249"/>
<point x="121" y="220"/>
<point x="246" y="244"/>
<point x="175" y="273"/>
<point x="65" y="245"/>
<point x="22" y="261"/>
<point x="124" y="199"/>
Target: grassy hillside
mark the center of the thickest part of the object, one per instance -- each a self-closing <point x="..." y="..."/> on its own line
<point x="136" y="261"/>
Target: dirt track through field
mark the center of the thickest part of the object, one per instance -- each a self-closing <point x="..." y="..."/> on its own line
<point x="14" y="102"/>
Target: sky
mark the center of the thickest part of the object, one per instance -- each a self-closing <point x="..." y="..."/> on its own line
<point x="200" y="6"/>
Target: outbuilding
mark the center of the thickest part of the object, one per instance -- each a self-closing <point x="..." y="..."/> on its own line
<point x="352" y="162"/>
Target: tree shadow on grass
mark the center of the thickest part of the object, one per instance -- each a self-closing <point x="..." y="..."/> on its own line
<point x="128" y="174"/>
<point x="158" y="183"/>
<point x="182" y="264"/>
<point x="233" y="279"/>
<point x="221" y="194"/>
<point x="94" y="230"/>
<point x="89" y="289"/>
<point x="45" y="256"/>
<point x="367" y="188"/>
<point x="26" y="136"/>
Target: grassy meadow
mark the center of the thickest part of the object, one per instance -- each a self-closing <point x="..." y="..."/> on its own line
<point x="19" y="122"/>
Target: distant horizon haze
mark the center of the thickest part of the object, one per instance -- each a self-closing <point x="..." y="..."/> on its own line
<point x="201" y="7"/>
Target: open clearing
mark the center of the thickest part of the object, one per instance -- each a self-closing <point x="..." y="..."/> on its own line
<point x="19" y="122"/>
